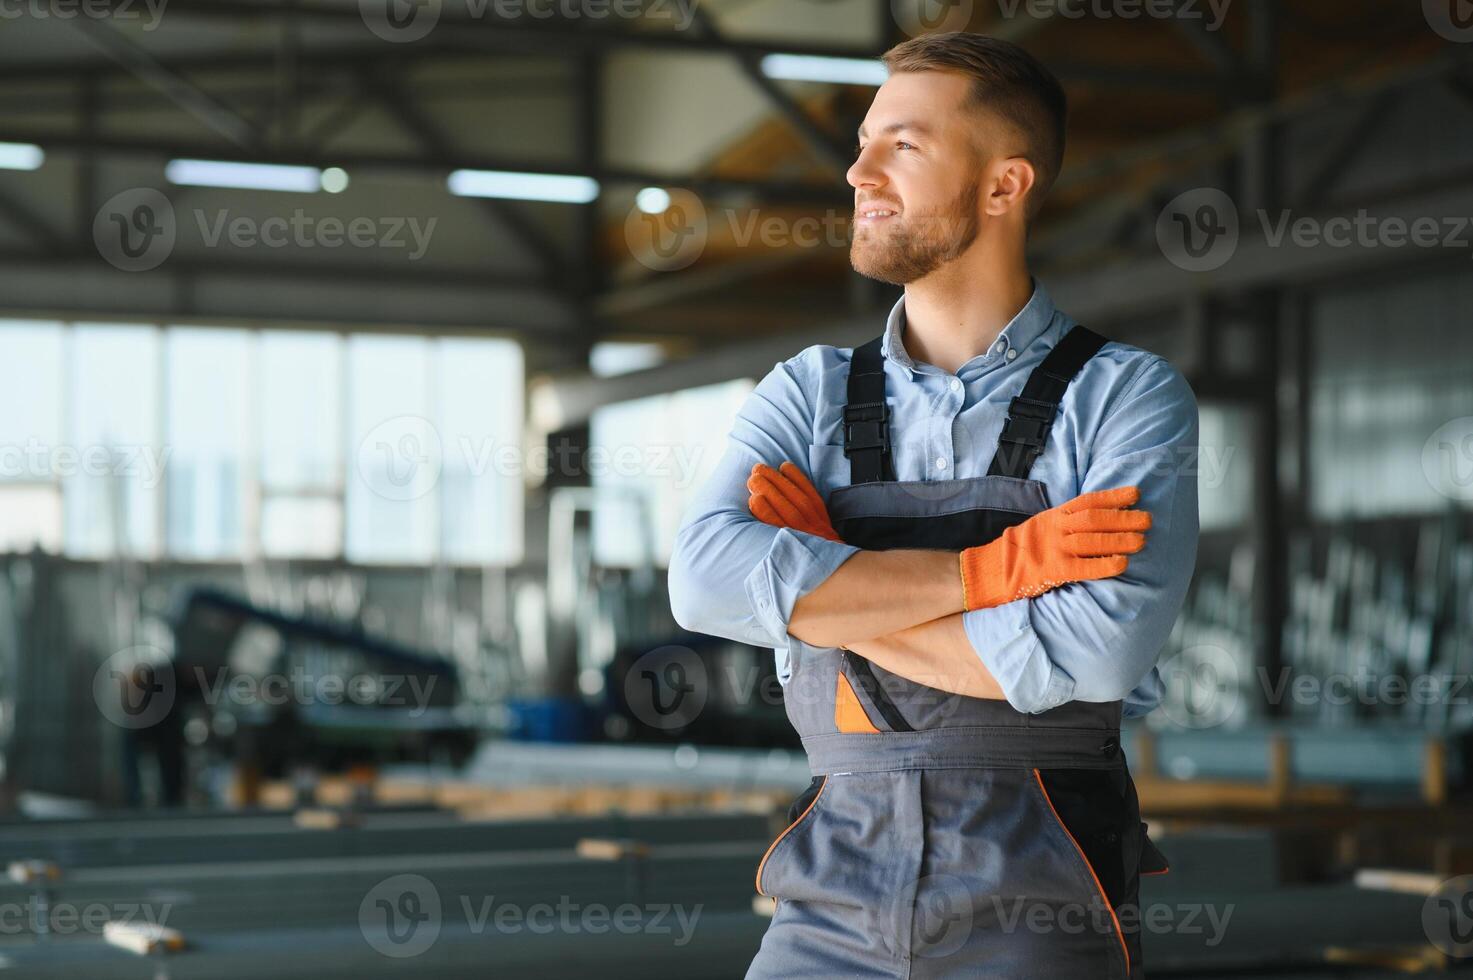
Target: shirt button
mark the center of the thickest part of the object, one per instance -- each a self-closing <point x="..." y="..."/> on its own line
<point x="1012" y="353"/>
<point x="941" y="462"/>
<point x="956" y="384"/>
<point x="1001" y="346"/>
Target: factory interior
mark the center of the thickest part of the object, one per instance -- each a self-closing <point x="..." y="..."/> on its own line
<point x="366" y="357"/>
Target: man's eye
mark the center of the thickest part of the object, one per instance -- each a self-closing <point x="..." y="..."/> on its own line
<point x="903" y="145"/>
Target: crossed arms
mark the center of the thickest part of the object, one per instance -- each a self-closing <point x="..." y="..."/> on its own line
<point x="733" y="575"/>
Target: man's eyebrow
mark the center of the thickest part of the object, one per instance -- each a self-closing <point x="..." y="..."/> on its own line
<point x="899" y="127"/>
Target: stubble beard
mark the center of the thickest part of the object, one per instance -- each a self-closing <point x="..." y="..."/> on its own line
<point x="918" y="246"/>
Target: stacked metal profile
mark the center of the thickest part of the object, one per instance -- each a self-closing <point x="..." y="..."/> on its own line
<point x="259" y="894"/>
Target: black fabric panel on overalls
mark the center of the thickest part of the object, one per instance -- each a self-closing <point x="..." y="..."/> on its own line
<point x="1092" y="803"/>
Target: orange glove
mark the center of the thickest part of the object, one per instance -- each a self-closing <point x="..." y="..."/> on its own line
<point x="1086" y="538"/>
<point x="786" y="498"/>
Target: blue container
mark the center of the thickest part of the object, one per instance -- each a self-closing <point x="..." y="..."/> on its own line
<point x="550" y="720"/>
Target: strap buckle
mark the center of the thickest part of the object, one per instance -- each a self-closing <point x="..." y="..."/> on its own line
<point x="866" y="426"/>
<point x="1029" y="421"/>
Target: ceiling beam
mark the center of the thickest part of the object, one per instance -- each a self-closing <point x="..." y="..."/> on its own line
<point x="194" y="100"/>
<point x="308" y="295"/>
<point x="165" y="148"/>
<point x="25" y="218"/>
<point x="821" y="143"/>
<point x="1226" y="134"/>
<point x="389" y="92"/>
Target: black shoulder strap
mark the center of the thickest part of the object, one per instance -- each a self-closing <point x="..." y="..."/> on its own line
<point x="867" y="417"/>
<point x="1031" y="414"/>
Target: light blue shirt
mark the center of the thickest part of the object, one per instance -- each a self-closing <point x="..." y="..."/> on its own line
<point x="1128" y="419"/>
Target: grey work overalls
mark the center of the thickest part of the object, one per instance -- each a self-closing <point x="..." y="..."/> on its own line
<point x="944" y="835"/>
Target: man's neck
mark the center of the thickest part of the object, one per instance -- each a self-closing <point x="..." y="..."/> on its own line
<point x="956" y="313"/>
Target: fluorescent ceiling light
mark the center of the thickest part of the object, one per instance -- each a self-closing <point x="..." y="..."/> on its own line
<point x="653" y="200"/>
<point x="819" y="68"/>
<point x="20" y="156"/>
<point x="334" y="180"/>
<point x="563" y="189"/>
<point x="244" y="176"/>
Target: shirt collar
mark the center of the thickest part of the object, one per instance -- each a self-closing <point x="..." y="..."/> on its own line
<point x="1024" y="328"/>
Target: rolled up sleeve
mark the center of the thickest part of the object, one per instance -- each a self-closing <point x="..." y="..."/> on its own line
<point x="794" y="566"/>
<point x="1011" y="650"/>
<point x="1098" y="640"/>
<point x="730" y="574"/>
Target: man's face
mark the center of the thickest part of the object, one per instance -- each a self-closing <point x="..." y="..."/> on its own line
<point x="916" y="177"/>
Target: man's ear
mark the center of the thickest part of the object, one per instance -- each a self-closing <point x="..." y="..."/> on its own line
<point x="1007" y="190"/>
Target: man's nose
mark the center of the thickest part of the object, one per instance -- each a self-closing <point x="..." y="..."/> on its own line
<point x="863" y="173"/>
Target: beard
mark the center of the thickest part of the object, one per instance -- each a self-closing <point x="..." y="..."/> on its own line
<point x="915" y="247"/>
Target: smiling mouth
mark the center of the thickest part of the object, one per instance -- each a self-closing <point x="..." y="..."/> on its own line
<point x="874" y="214"/>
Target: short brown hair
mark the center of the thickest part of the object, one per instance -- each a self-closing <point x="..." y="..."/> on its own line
<point x="1005" y="79"/>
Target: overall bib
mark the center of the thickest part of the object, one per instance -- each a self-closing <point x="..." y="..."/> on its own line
<point x="944" y="835"/>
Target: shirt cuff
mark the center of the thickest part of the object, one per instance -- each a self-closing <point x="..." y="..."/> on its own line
<point x="1003" y="638"/>
<point x="795" y="564"/>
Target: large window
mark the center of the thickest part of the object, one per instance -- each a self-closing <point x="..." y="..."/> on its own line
<point x="301" y="475"/>
<point x="214" y="444"/>
<point x="30" y="435"/>
<point x="208" y="414"/>
<point x="653" y="454"/>
<point x="112" y="491"/>
<point x="1225" y="455"/>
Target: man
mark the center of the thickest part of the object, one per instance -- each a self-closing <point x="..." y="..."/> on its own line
<point x="960" y="625"/>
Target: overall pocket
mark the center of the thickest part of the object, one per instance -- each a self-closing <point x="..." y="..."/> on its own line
<point x="1091" y="813"/>
<point x="799" y="811"/>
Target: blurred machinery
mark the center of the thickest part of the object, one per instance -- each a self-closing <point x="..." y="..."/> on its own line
<point x="272" y="691"/>
<point x="639" y="676"/>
